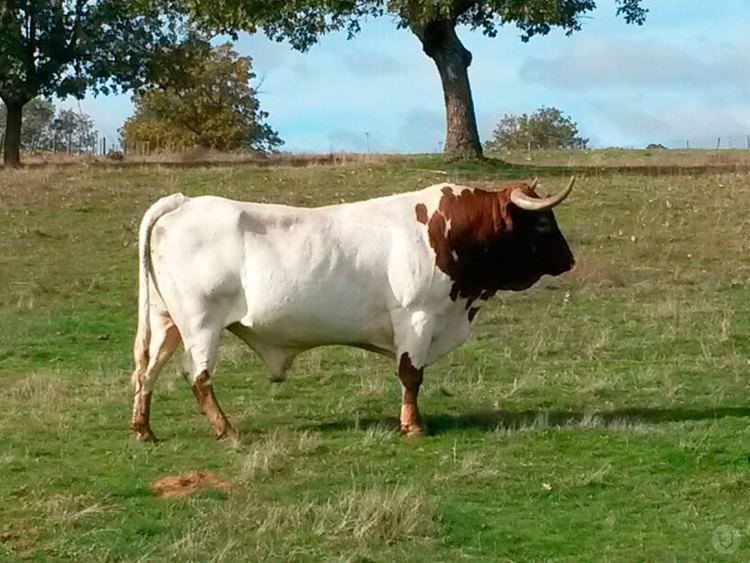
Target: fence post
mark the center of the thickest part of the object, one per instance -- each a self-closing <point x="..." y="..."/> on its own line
<point x="718" y="142"/>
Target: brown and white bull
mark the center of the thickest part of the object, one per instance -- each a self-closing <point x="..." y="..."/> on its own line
<point x="402" y="276"/>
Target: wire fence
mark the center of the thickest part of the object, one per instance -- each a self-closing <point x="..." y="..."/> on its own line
<point x="69" y="144"/>
<point x="736" y="141"/>
<point x="96" y="145"/>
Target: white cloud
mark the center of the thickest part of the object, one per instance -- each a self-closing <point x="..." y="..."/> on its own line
<point x="612" y="63"/>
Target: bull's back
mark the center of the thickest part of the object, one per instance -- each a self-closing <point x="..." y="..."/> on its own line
<point x="303" y="276"/>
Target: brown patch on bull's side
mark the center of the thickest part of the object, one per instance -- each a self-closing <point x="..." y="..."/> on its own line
<point x="411" y="379"/>
<point x="187" y="484"/>
<point x="473" y="234"/>
<point x="421" y="211"/>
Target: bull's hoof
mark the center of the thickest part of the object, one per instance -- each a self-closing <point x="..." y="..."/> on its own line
<point x="143" y="433"/>
<point x="145" y="436"/>
<point x="412" y="431"/>
<point x="228" y="435"/>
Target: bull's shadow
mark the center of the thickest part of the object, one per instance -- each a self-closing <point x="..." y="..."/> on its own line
<point x="491" y="420"/>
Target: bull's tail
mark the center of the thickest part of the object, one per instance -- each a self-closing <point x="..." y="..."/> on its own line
<point x="143" y="334"/>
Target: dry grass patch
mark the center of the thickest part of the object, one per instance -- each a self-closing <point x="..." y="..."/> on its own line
<point x="467" y="465"/>
<point x="387" y="514"/>
<point x="379" y="434"/>
<point x="363" y="519"/>
<point x="593" y="269"/>
<point x="274" y="452"/>
<point x="595" y="477"/>
<point x="42" y="395"/>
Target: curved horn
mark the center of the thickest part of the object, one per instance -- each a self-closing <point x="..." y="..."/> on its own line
<point x="534" y="182"/>
<point x="528" y="203"/>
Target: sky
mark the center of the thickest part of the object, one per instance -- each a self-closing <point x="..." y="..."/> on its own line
<point x="683" y="75"/>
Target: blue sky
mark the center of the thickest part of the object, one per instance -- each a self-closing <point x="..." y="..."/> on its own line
<point x="685" y="74"/>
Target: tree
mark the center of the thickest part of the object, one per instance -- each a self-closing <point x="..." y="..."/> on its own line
<point x="208" y="102"/>
<point x="434" y="23"/>
<point x="71" y="131"/>
<point x="37" y="116"/>
<point x="64" y="47"/>
<point x="547" y="128"/>
<point x="45" y="127"/>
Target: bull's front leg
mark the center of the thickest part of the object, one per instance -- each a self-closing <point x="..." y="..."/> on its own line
<point x="413" y="331"/>
<point x="411" y="380"/>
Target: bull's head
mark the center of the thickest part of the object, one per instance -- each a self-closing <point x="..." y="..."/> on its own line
<point x="539" y="246"/>
<point x="490" y="241"/>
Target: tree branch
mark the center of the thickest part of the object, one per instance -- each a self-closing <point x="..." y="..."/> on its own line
<point x="460" y="7"/>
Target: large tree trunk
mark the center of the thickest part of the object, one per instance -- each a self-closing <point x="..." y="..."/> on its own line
<point x="11" y="154"/>
<point x="442" y="45"/>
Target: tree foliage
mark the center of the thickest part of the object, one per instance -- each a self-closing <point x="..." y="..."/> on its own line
<point x="434" y="23"/>
<point x="204" y="99"/>
<point x="302" y="22"/>
<point x="37" y="116"/>
<point x="66" y="47"/>
<point x="71" y="130"/>
<point x="547" y="128"/>
<point x="47" y="128"/>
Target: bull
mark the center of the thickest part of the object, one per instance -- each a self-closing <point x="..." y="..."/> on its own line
<point x="402" y="276"/>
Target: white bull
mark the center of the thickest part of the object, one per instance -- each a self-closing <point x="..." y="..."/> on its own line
<point x="402" y="276"/>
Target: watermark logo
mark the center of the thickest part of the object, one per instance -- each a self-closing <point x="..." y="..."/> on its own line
<point x="726" y="539"/>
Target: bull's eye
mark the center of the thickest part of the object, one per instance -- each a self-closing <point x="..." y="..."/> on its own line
<point x="543" y="226"/>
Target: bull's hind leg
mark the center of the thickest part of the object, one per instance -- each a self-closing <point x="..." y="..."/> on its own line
<point x="164" y="341"/>
<point x="204" y="394"/>
<point x="201" y="351"/>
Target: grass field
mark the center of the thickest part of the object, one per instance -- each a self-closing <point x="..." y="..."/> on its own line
<point x="609" y="158"/>
<point x="602" y="415"/>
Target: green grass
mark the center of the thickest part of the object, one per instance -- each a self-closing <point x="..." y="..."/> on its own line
<point x="600" y="415"/>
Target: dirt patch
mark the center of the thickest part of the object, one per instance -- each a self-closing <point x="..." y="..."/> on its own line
<point x="187" y="484"/>
<point x="19" y="539"/>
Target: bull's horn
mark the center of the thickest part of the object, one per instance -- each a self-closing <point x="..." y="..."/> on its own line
<point x="528" y="203"/>
<point x="534" y="182"/>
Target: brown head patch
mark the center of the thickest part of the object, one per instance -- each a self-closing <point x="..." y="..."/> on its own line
<point x="421" y="211"/>
<point x="484" y="243"/>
